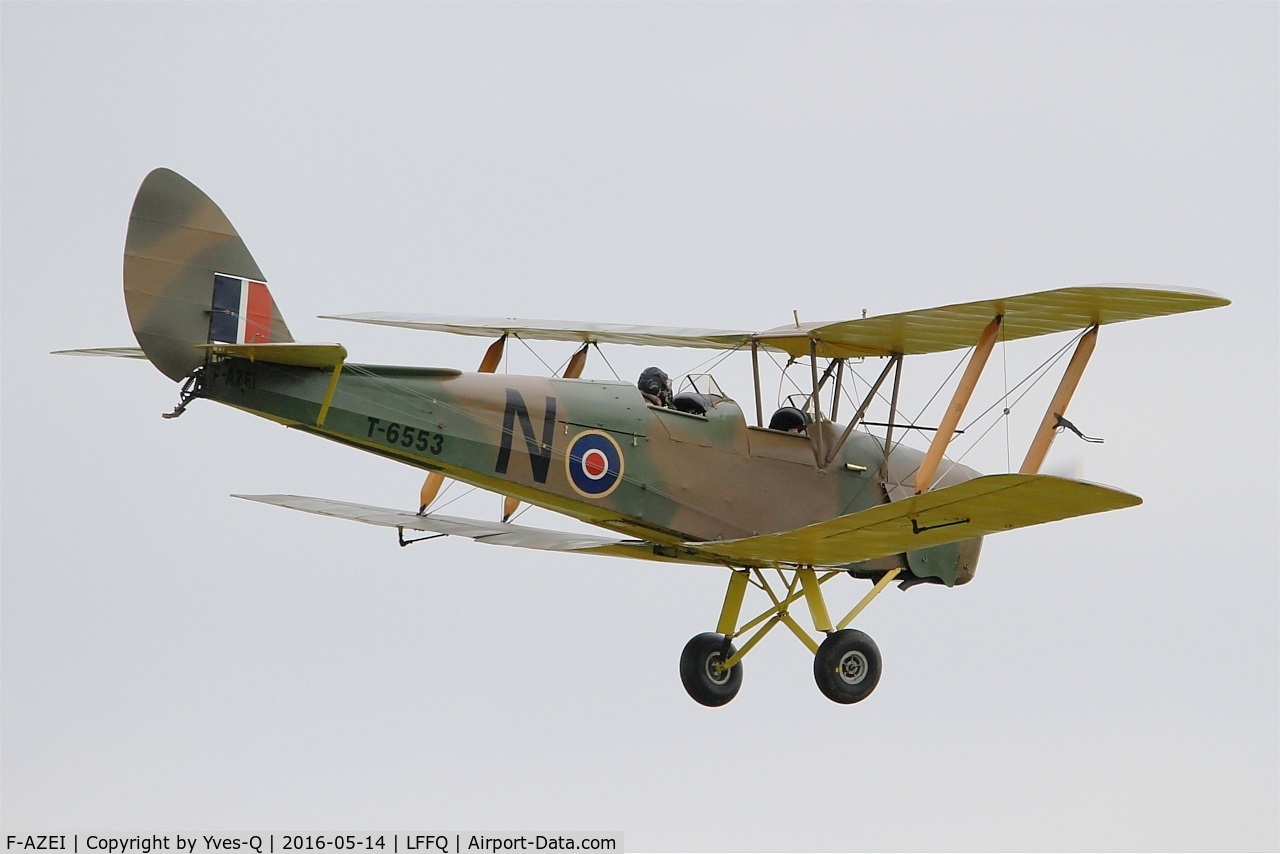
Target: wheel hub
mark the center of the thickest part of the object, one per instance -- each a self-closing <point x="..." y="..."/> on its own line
<point x="853" y="667"/>
<point x="716" y="671"/>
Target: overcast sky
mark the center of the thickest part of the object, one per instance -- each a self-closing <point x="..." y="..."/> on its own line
<point x="174" y="659"/>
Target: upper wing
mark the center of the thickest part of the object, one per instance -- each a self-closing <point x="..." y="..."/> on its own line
<point x="983" y="505"/>
<point x="558" y="330"/>
<point x="930" y="330"/>
<point x="954" y="327"/>
<point x="495" y="533"/>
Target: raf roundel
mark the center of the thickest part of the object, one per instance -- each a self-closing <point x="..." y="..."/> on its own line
<point x="594" y="464"/>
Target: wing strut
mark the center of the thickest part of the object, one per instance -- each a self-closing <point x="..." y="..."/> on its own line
<point x="755" y="371"/>
<point x="928" y="468"/>
<point x="816" y="433"/>
<point x="431" y="486"/>
<point x="894" y="362"/>
<point x="1058" y="405"/>
<point x="893" y="414"/>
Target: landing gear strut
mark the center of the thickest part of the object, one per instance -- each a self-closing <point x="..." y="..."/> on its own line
<point x="846" y="663"/>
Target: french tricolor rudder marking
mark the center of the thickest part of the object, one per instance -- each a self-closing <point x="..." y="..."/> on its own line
<point x="241" y="312"/>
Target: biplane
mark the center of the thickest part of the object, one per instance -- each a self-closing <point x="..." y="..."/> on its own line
<point x="784" y="504"/>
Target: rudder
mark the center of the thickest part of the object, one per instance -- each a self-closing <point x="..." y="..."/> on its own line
<point x="189" y="279"/>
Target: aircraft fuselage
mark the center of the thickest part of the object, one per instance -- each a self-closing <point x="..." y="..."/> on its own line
<point x="591" y="449"/>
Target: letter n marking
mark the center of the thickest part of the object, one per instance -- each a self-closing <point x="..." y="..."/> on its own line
<point x="539" y="454"/>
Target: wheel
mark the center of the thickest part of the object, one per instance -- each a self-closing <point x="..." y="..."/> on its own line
<point x="700" y="671"/>
<point x="847" y="666"/>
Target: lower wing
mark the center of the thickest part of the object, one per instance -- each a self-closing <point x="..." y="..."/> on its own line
<point x="975" y="508"/>
<point x="492" y="533"/>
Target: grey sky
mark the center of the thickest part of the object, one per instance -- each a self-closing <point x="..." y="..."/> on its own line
<point x="174" y="659"/>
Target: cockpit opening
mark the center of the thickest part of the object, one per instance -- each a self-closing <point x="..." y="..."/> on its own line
<point x="790" y="419"/>
<point x="699" y="393"/>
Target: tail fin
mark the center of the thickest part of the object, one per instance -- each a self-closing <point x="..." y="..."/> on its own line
<point x="189" y="280"/>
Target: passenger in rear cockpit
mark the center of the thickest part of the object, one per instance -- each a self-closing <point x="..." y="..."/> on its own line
<point x="655" y="385"/>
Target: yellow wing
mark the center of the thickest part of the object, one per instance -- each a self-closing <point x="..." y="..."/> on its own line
<point x="954" y="327"/>
<point x="984" y="505"/>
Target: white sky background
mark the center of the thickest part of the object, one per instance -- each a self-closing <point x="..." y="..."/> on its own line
<point x="174" y="659"/>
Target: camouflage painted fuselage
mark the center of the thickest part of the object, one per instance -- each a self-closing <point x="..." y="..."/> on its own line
<point x="591" y="449"/>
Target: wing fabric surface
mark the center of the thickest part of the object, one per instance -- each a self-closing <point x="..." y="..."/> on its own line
<point x="493" y="533"/>
<point x="558" y="330"/>
<point x="955" y="327"/>
<point x="984" y="505"/>
<point x="930" y="330"/>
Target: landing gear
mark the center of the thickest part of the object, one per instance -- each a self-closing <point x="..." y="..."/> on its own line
<point x="847" y="666"/>
<point x="846" y="663"/>
<point x="703" y="672"/>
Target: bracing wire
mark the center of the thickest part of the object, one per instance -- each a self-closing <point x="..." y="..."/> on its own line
<point x="963" y="358"/>
<point x="460" y="495"/>
<point x="1034" y="376"/>
<point x="785" y="376"/>
<point x="535" y="355"/>
<point x="607" y="362"/>
<point x="1040" y="369"/>
<point x="707" y="365"/>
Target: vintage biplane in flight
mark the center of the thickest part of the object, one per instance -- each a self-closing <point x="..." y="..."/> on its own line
<point x="784" y="505"/>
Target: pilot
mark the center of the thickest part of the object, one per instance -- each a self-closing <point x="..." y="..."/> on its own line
<point x="655" y="385"/>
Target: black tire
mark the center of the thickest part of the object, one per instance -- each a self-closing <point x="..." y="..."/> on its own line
<point x="706" y="684"/>
<point x="847" y="666"/>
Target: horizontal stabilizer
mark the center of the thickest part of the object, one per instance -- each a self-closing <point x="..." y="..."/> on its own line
<point x="493" y="533"/>
<point x="984" y="505"/>
<point x="114" y="352"/>
<point x="288" y="353"/>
